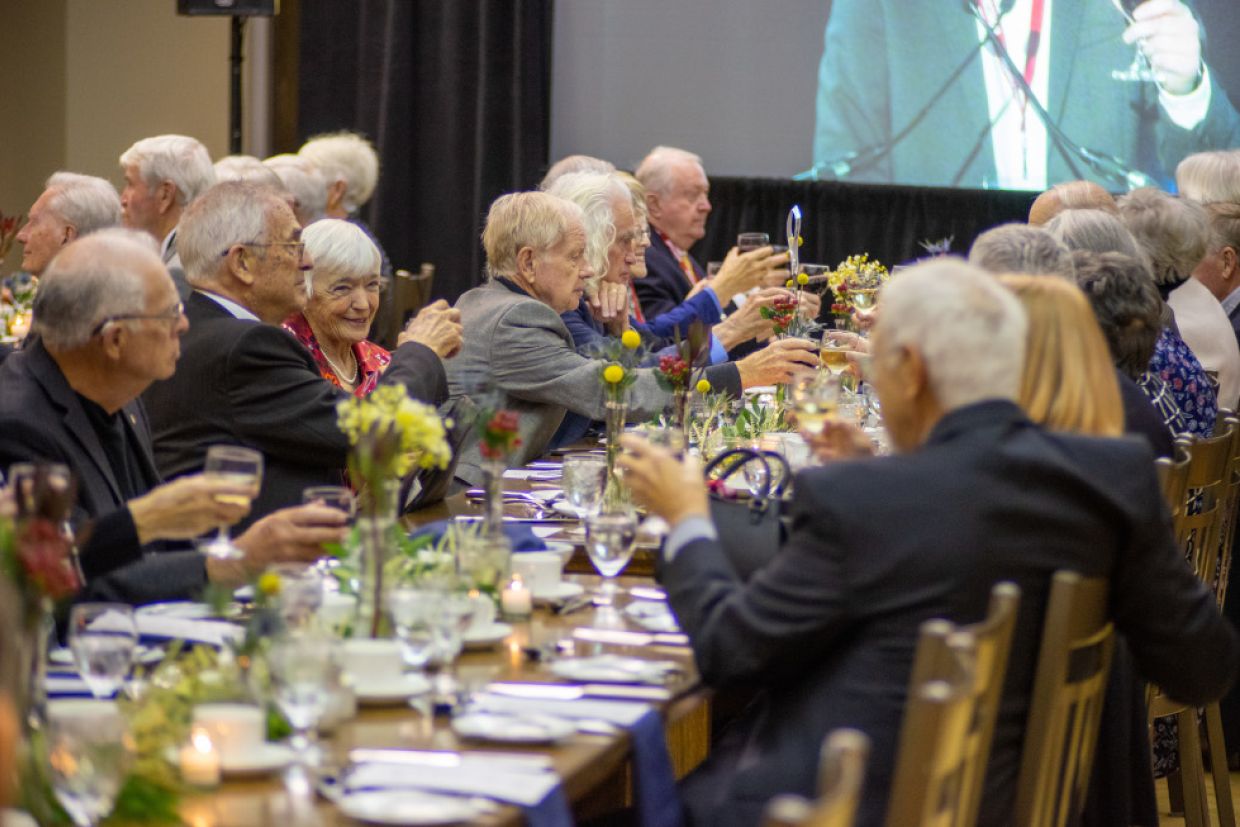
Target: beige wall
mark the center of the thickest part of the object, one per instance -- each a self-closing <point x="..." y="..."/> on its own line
<point x="84" y="79"/>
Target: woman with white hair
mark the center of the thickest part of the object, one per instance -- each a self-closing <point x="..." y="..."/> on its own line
<point x="342" y="291"/>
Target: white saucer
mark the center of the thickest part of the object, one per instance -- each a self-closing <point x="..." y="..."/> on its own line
<point x="562" y="591"/>
<point x="611" y="669"/>
<point x="562" y="507"/>
<point x="63" y="656"/>
<point x="389" y="691"/>
<point x="407" y="807"/>
<point x="487" y="636"/>
<point x="530" y="728"/>
<point x="260" y="760"/>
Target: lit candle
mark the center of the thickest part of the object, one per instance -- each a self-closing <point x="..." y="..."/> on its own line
<point x="516" y="600"/>
<point x="200" y="763"/>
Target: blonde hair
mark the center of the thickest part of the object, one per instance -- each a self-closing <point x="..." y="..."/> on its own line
<point x="525" y="219"/>
<point x="1068" y="382"/>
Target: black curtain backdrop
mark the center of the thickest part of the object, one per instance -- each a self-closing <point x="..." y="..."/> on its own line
<point x="455" y="97"/>
<point x="840" y="220"/>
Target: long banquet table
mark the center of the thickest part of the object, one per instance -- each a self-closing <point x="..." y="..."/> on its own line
<point x="595" y="770"/>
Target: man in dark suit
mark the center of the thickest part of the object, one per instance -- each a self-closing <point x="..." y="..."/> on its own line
<point x="885" y="61"/>
<point x="242" y="379"/>
<point x="70" y="206"/>
<point x="108" y="324"/>
<point x="678" y="202"/>
<point x="977" y="494"/>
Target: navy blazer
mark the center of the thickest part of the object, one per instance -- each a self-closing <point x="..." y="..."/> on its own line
<point x="665" y="285"/>
<point x="827" y="630"/>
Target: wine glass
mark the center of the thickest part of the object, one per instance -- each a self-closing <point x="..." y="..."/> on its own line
<point x="673" y="439"/>
<point x="863" y="298"/>
<point x="333" y="496"/>
<point x="301" y="592"/>
<point x="103" y="638"/>
<point x="752" y="241"/>
<point x="610" y="541"/>
<point x="414" y="614"/>
<point x="584" y="478"/>
<point x="814" y="397"/>
<point x="88" y="751"/>
<point x="1140" y="71"/>
<point x="300" y="665"/>
<point x="832" y="355"/>
<point x="238" y="466"/>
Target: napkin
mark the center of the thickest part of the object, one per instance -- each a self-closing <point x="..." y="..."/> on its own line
<point x="528" y="474"/>
<point x="654" y="783"/>
<point x="58" y="686"/>
<point x="212" y="632"/>
<point x="538" y="793"/>
<point x="520" y="535"/>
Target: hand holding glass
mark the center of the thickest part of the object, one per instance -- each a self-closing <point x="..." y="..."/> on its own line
<point x="242" y="467"/>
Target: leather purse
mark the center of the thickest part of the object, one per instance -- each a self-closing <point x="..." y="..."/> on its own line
<point x="750" y="530"/>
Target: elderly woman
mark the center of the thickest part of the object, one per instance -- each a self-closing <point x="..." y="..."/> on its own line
<point x="343" y="295"/>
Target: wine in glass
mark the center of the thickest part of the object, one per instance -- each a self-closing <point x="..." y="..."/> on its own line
<point x="332" y="496"/>
<point x="814" y="397"/>
<point x="610" y="541"/>
<point x="300" y="667"/>
<point x="745" y="242"/>
<point x="863" y="298"/>
<point x="584" y="478"/>
<point x="103" y="638"/>
<point x="1140" y="70"/>
<point x="88" y="752"/>
<point x="242" y="467"/>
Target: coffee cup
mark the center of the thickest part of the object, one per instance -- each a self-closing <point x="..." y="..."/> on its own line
<point x="539" y="569"/>
<point x="372" y="660"/>
<point x="482" y="614"/>
<point x="235" y="729"/>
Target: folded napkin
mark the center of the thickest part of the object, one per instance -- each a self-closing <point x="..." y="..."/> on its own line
<point x="211" y="632"/>
<point x="520" y="535"/>
<point x="530" y="474"/>
<point x="654" y="783"/>
<point x="537" y="792"/>
<point x="63" y="686"/>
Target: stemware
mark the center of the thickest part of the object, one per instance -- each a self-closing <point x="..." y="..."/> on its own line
<point x="610" y="542"/>
<point x="300" y="667"/>
<point x="301" y="592"/>
<point x="103" y="638"/>
<point x="1140" y="70"/>
<point x="242" y="467"/>
<point x="746" y="242"/>
<point x="584" y="479"/>
<point x="814" y="397"/>
<point x="414" y="616"/>
<point x="673" y="439"/>
<point x="333" y="496"/>
<point x="832" y="355"/>
<point x="88" y="749"/>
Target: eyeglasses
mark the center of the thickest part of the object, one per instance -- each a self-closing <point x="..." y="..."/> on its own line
<point x="171" y="316"/>
<point x="299" y="247"/>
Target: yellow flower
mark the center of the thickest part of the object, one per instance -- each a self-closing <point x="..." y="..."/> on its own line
<point x="788" y="283"/>
<point x="613" y="374"/>
<point x="269" y="584"/>
<point x="802" y="279"/>
<point x="703" y="386"/>
<point x="800" y="241"/>
<point x="631" y="339"/>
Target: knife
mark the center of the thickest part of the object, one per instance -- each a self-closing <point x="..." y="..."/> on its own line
<point x="574" y="692"/>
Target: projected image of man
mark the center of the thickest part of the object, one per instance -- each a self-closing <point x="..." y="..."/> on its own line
<point x="1015" y="94"/>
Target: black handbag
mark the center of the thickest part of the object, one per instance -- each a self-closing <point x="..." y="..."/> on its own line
<point x="750" y="530"/>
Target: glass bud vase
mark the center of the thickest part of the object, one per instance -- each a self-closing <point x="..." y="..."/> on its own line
<point x="614" y="418"/>
<point x="376" y="529"/>
<point x="680" y="410"/>
<point x="493" y="497"/>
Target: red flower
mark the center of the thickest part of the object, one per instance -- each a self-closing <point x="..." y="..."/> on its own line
<point x="674" y="368"/>
<point x="44" y="556"/>
<point x="499" y="435"/>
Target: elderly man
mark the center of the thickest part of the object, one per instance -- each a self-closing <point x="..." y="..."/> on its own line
<point x="70" y="207"/>
<point x="827" y="629"/>
<point x="1219" y="271"/>
<point x="244" y="380"/>
<point x="163" y="175"/>
<point x="1020" y="248"/>
<point x="302" y="178"/>
<point x="109" y="323"/>
<point x="1210" y="177"/>
<point x="677" y="197"/>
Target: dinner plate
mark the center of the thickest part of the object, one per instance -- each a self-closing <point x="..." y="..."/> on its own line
<point x="487" y="636"/>
<point x="611" y="669"/>
<point x="412" y="807"/>
<point x="561" y="591"/>
<point x="390" y="691"/>
<point x="653" y="617"/>
<point x="526" y="728"/>
<point x="143" y="654"/>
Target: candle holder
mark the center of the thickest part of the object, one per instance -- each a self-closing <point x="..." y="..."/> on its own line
<point x="516" y="600"/>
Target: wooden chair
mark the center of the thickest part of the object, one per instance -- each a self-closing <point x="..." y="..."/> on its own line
<point x="411" y="292"/>
<point x="841" y="772"/>
<point x="1074" y="663"/>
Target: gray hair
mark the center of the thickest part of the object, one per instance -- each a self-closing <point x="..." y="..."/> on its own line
<point x="341" y="248"/>
<point x="234" y="212"/>
<point x="89" y="280"/>
<point x="177" y="158"/>
<point x="1020" y="248"/>
<point x="969" y="329"/>
<point x="1094" y="230"/>
<point x="1224" y="217"/>
<point x="596" y="193"/>
<point x="1126" y="304"/>
<point x="1210" y="177"/>
<point x="574" y="163"/>
<point x="1173" y="232"/>
<point x="84" y="201"/>
<point x="348" y="157"/>
<point x="245" y="168"/>
<point x="656" y="171"/>
<point x="536" y="220"/>
<point x="304" y="180"/>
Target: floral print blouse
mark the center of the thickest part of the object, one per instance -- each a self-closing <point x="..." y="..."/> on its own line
<point x="372" y="360"/>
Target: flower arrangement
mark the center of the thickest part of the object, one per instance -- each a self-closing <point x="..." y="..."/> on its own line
<point x="618" y="361"/>
<point x="16" y="291"/>
<point x="675" y="370"/>
<point x="500" y="434"/>
<point x="855" y="283"/>
<point x="35" y="554"/>
<point x="782" y="314"/>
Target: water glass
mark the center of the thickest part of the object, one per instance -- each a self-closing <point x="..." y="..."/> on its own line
<point x="610" y="541"/>
<point x="301" y="667"/>
<point x="453" y="615"/>
<point x="333" y="496"/>
<point x="301" y="593"/>
<point x="414" y="615"/>
<point x="103" y="638"/>
<point x="752" y="241"/>
<point x="584" y="478"/>
<point x="673" y="439"/>
<point x="239" y="466"/>
<point x="88" y="750"/>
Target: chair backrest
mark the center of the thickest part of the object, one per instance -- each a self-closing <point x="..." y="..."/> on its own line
<point x="841" y="773"/>
<point x="1200" y="530"/>
<point x="411" y="292"/>
<point x="1061" y="732"/>
<point x="1173" y="477"/>
<point x="1231" y="507"/>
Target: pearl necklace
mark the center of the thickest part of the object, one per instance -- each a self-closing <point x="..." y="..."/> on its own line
<point x="339" y="372"/>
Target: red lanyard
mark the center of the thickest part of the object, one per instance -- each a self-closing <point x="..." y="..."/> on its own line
<point x="1036" y="18"/>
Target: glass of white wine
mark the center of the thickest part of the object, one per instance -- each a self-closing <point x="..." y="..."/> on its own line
<point x="863" y="298"/>
<point x="242" y="467"/>
<point x="815" y="398"/>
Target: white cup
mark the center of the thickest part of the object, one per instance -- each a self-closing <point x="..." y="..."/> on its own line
<point x="235" y="729"/>
<point x="539" y="569"/>
<point x="337" y="610"/>
<point x="372" y="660"/>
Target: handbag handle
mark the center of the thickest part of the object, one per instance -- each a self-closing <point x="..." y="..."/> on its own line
<point x="730" y="462"/>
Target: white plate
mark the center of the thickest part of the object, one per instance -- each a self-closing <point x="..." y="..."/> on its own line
<point x="562" y="591"/>
<point x="487" y="636"/>
<point x="530" y="728"/>
<point x="143" y="654"/>
<point x="390" y="691"/>
<point x="406" y="807"/>
<point x="611" y="669"/>
<point x="185" y="610"/>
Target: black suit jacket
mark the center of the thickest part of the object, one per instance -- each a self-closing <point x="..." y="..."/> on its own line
<point x="665" y="285"/>
<point x="41" y="419"/>
<point x="1141" y="419"/>
<point x="242" y="382"/>
<point x="829" y="627"/>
